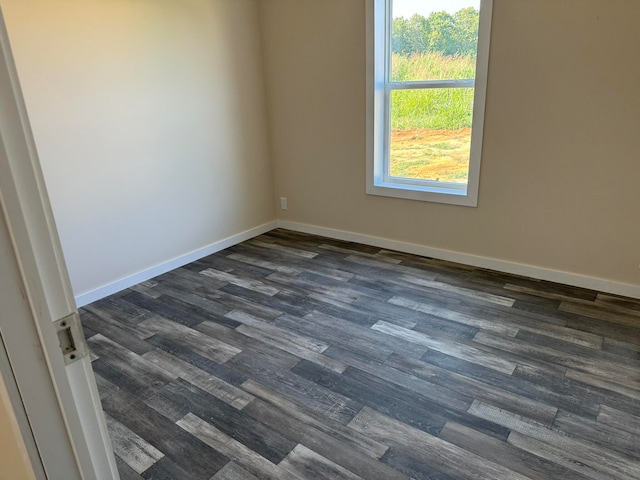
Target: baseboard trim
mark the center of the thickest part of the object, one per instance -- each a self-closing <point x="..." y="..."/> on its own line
<point x="540" y="273"/>
<point x="114" y="287"/>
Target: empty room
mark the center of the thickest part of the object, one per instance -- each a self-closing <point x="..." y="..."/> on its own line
<point x="320" y="239"/>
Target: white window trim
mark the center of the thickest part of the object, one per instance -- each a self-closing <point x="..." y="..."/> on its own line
<point x="450" y="193"/>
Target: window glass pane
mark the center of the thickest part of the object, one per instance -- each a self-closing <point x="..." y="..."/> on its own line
<point x="434" y="39"/>
<point x="430" y="136"/>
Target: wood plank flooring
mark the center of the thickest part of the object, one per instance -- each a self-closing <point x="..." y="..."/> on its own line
<point x="292" y="356"/>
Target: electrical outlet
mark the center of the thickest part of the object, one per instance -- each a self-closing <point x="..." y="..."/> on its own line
<point x="283" y="203"/>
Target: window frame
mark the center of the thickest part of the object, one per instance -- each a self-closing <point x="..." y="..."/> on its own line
<point x="379" y="88"/>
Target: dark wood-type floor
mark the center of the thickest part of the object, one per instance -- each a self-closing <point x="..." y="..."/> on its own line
<point x="292" y="356"/>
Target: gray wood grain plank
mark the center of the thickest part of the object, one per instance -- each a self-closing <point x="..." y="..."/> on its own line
<point x="384" y="263"/>
<point x="134" y="385"/>
<point x="371" y="335"/>
<point x="186" y="280"/>
<point x="310" y="418"/>
<point x="243" y="456"/>
<point x="296" y="262"/>
<point x="394" y="401"/>
<point x="622" y="333"/>
<point x="438" y="393"/>
<point x="250" y="284"/>
<point x="220" y="261"/>
<point x="624" y="303"/>
<point x="128" y="336"/>
<point x="444" y="456"/>
<point x="631" y="389"/>
<point x="543" y="291"/>
<point x="620" y="420"/>
<point x="575" y="348"/>
<point x="448" y="314"/>
<point x="570" y="395"/>
<point x="233" y="471"/>
<point x="125" y="471"/>
<point x="605" y="462"/>
<point x="610" y="314"/>
<point x="329" y="446"/>
<point x="349" y="248"/>
<point x="565" y="334"/>
<point x="230" y="302"/>
<point x="300" y="340"/>
<point x="120" y="309"/>
<point x="247" y="430"/>
<point x="166" y="469"/>
<point x="220" y="370"/>
<point x="316" y="397"/>
<point x="105" y="318"/>
<point x="210" y="383"/>
<point x="171" y="308"/>
<point x="533" y="318"/>
<point x="412" y="467"/>
<point x="198" y="342"/>
<point x="597" y="433"/>
<point x="601" y="368"/>
<point x="127" y="361"/>
<point x="391" y="284"/>
<point x="182" y="448"/>
<point x="461" y="291"/>
<point x="494" y="282"/>
<point x="516" y="459"/>
<point x="451" y="347"/>
<point x="426" y="263"/>
<point x="293" y="348"/>
<point x="349" y="285"/>
<point x="276" y="267"/>
<point x="342" y="293"/>
<point x="479" y="390"/>
<point x="105" y="387"/>
<point x="210" y="306"/>
<point x="242" y="342"/>
<point x="167" y="407"/>
<point x="131" y="448"/>
<point x="146" y="290"/>
<point x="342" y="337"/>
<point x="557" y="456"/>
<point x="622" y="349"/>
<point x="298" y="252"/>
<point x="432" y="324"/>
<point x="306" y="463"/>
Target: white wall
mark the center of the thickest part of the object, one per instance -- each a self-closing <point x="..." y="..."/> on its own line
<point x="559" y="182"/>
<point x="149" y="118"/>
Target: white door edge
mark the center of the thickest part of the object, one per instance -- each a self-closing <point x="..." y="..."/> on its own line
<point x="61" y="402"/>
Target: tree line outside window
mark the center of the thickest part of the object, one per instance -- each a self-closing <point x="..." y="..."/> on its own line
<point x="441" y="32"/>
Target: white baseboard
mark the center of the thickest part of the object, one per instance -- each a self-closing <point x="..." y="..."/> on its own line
<point x="114" y="287"/>
<point x="566" y="278"/>
<point x="540" y="273"/>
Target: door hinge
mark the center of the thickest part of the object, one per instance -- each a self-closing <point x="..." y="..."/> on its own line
<point x="71" y="338"/>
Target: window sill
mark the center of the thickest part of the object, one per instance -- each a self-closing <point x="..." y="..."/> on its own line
<point x="452" y="196"/>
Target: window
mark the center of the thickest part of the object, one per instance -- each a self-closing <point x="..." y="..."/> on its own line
<point x="427" y="62"/>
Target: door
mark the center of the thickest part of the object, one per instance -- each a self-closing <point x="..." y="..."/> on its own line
<point x="63" y="415"/>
